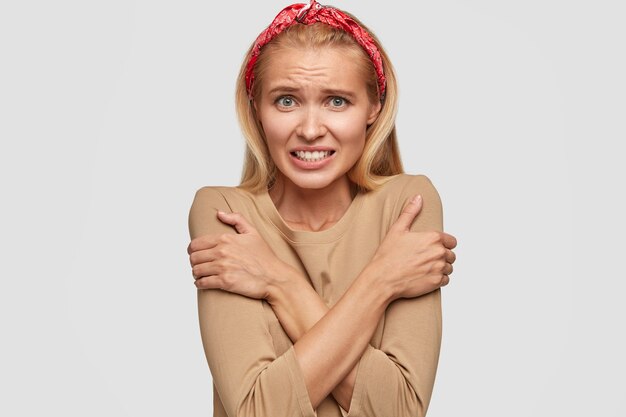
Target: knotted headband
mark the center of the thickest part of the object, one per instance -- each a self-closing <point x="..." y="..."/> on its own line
<point x="307" y="14"/>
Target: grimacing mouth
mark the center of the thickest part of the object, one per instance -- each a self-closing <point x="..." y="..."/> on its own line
<point x="302" y="155"/>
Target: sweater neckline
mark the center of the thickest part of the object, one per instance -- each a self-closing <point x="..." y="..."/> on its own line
<point x="306" y="236"/>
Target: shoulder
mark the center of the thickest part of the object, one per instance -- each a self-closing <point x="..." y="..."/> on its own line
<point x="209" y="192"/>
<point x="206" y="202"/>
<point x="219" y="196"/>
<point x="402" y="187"/>
<point x="402" y="181"/>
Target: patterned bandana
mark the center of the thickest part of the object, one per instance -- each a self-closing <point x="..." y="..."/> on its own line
<point x="307" y="14"/>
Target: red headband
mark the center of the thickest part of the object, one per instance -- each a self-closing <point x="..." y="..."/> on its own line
<point x="312" y="13"/>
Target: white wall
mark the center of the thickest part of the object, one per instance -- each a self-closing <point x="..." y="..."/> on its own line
<point x="112" y="114"/>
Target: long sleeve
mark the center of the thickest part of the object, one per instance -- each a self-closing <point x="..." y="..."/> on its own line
<point x="397" y="380"/>
<point x="248" y="376"/>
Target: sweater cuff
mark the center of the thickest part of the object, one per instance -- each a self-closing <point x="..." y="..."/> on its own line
<point x="297" y="382"/>
<point x="362" y="375"/>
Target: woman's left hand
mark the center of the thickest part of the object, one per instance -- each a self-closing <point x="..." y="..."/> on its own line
<point x="241" y="263"/>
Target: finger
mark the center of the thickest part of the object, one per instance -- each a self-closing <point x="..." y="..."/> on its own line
<point x="204" y="270"/>
<point x="447" y="269"/>
<point x="201" y="243"/>
<point x="450" y="256"/>
<point x="410" y="211"/>
<point x="448" y="240"/>
<point x="208" y="283"/>
<point x="202" y="256"/>
<point x="237" y="220"/>
<point x="445" y="280"/>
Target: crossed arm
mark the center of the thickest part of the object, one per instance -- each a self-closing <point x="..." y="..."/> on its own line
<point x="340" y="335"/>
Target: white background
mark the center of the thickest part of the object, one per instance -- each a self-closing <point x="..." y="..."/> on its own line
<point x="113" y="113"/>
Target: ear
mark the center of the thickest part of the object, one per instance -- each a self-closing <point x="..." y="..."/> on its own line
<point x="374" y="112"/>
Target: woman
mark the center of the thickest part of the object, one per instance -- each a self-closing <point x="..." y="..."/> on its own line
<point x="319" y="274"/>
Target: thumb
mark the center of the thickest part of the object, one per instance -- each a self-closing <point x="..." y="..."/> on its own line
<point x="236" y="220"/>
<point x="409" y="213"/>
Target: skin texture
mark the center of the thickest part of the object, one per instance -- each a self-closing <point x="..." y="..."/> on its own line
<point x="318" y="98"/>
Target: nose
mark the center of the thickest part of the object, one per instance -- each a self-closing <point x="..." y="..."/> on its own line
<point x="311" y="125"/>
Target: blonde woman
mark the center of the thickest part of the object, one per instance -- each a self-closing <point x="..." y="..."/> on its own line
<point x="319" y="275"/>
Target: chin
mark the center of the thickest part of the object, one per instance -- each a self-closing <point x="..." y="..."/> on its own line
<point x="316" y="183"/>
<point x="311" y="180"/>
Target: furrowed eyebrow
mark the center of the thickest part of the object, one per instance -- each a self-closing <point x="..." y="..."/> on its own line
<point x="338" y="92"/>
<point x="282" y="89"/>
<point x="328" y="91"/>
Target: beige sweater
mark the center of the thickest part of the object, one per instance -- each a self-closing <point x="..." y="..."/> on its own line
<point x="251" y="358"/>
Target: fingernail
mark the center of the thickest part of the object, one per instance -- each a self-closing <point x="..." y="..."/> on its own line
<point x="416" y="199"/>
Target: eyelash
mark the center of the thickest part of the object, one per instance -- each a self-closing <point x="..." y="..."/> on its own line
<point x="345" y="100"/>
<point x="277" y="101"/>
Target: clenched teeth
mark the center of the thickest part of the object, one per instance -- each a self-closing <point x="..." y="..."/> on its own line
<point x="312" y="156"/>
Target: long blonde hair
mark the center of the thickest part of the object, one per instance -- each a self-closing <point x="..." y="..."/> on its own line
<point x="380" y="158"/>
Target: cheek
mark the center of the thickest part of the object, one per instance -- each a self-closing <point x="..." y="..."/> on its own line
<point x="277" y="134"/>
<point x="275" y="131"/>
<point x="351" y="131"/>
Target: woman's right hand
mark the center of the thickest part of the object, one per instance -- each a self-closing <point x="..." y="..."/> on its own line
<point x="413" y="263"/>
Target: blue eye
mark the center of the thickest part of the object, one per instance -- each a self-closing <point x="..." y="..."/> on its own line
<point x="285" y="101"/>
<point x="338" y="101"/>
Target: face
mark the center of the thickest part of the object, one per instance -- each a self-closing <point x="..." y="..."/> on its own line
<point x="314" y="110"/>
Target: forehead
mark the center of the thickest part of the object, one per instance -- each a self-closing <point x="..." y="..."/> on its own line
<point x="327" y="67"/>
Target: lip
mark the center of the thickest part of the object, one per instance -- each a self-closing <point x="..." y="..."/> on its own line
<point x="310" y="165"/>
<point x="312" y="148"/>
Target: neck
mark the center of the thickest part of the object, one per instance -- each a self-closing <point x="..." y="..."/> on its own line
<point x="312" y="209"/>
